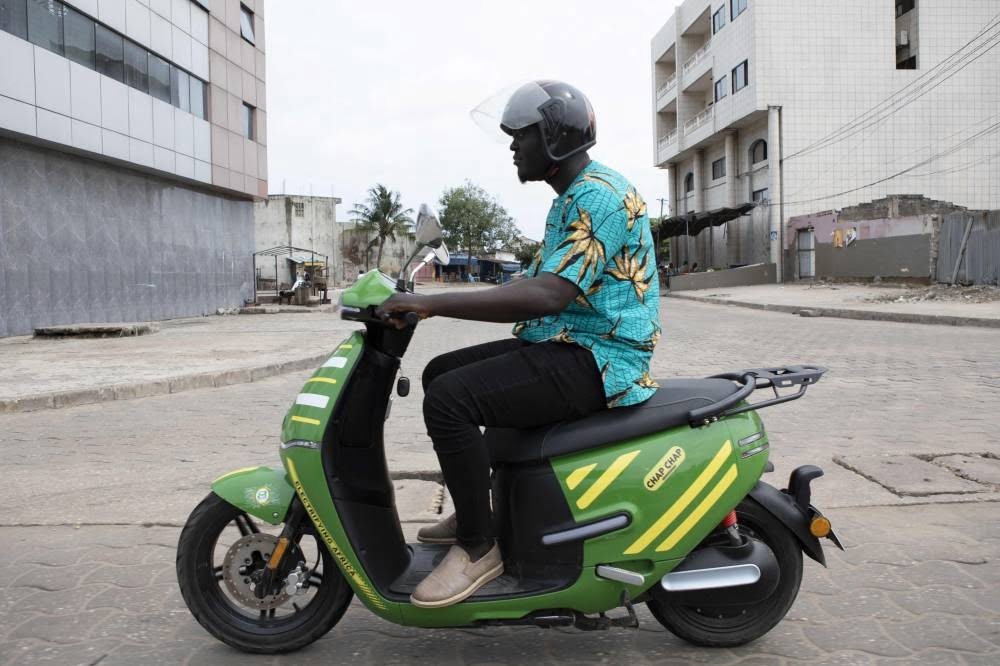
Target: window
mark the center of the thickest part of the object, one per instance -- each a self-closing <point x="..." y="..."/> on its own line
<point x="180" y="89"/>
<point x="909" y="63"/>
<point x="136" y="66"/>
<point x="760" y="196"/>
<point x="79" y="38"/>
<point x="246" y="24"/>
<point x="737" y="7"/>
<point x="198" y="98"/>
<point x="45" y="24"/>
<point x="720" y="89"/>
<point x="718" y="19"/>
<point x="719" y="168"/>
<point x="300" y="210"/>
<point x="14" y="17"/>
<point x="159" y="78"/>
<point x="248" y="118"/>
<point x="740" y="76"/>
<point x="758" y="151"/>
<point x="110" y="54"/>
<point x="689" y="183"/>
<point x="903" y="6"/>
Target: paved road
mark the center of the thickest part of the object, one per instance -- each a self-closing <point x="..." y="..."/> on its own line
<point x="917" y="579"/>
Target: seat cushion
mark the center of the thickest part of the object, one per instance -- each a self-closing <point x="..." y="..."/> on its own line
<point x="667" y="408"/>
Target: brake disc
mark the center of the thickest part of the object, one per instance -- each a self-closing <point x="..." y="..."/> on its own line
<point x="242" y="568"/>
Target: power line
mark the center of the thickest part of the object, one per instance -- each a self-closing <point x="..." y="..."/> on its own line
<point x="989" y="130"/>
<point x="911" y="92"/>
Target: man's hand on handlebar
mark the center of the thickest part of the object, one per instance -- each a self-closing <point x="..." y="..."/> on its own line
<point x="395" y="309"/>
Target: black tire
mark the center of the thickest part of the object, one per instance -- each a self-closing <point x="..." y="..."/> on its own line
<point x="243" y="627"/>
<point x="739" y="625"/>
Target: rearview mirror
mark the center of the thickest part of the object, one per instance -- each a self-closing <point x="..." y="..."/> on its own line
<point x="441" y="252"/>
<point x="428" y="229"/>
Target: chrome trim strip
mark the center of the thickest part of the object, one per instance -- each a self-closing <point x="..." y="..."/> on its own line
<point x="710" y="579"/>
<point x="586" y="531"/>
<point x="751" y="439"/>
<point x="754" y="451"/>
<point x="620" y="575"/>
<point x="301" y="443"/>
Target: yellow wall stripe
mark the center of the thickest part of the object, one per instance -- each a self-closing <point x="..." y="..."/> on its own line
<point x="321" y="380"/>
<point x="678" y="507"/>
<point x="699" y="512"/>
<point x="604" y="480"/>
<point x="578" y="475"/>
<point x="303" y="419"/>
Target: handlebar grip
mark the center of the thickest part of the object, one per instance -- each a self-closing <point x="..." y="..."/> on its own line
<point x="412" y="318"/>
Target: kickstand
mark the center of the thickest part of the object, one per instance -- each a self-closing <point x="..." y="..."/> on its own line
<point x="632" y="622"/>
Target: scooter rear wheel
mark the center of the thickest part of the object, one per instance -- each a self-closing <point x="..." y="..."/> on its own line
<point x="220" y="550"/>
<point x="729" y="626"/>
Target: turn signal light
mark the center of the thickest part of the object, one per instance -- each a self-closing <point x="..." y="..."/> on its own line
<point x="819" y="527"/>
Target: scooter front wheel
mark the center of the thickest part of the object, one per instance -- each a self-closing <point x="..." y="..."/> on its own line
<point x="220" y="556"/>
<point x="729" y="626"/>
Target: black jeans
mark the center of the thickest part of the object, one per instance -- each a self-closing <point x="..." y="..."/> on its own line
<point x="508" y="384"/>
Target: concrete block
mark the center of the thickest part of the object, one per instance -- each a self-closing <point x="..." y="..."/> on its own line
<point x="265" y="371"/>
<point x="82" y="397"/>
<point x="909" y="476"/>
<point x="140" y="390"/>
<point x="191" y="382"/>
<point x="28" y="404"/>
<point x="978" y="468"/>
<point x="242" y="376"/>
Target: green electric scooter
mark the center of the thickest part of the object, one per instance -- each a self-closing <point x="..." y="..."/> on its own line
<point x="660" y="504"/>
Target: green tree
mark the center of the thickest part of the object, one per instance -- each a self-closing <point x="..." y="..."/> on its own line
<point x="525" y="252"/>
<point x="382" y="216"/>
<point x="474" y="221"/>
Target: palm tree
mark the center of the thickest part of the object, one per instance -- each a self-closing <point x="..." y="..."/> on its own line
<point x="383" y="215"/>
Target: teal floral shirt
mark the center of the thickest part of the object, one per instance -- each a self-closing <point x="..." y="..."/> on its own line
<point x="597" y="236"/>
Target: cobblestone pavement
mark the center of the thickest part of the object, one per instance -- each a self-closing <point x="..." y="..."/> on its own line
<point x="920" y="582"/>
<point x="916" y="585"/>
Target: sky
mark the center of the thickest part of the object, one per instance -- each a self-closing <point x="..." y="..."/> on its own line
<point x="360" y="93"/>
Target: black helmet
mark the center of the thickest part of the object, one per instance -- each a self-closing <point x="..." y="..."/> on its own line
<point x="562" y="113"/>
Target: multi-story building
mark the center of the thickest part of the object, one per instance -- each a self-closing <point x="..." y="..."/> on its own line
<point x="132" y="146"/>
<point x="806" y="106"/>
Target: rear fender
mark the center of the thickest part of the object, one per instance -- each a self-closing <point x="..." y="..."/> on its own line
<point x="783" y="507"/>
<point x="262" y="492"/>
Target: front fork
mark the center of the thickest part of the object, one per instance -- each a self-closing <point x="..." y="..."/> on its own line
<point x="279" y="566"/>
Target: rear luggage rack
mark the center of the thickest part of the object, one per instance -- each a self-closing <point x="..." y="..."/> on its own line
<point x="802" y="376"/>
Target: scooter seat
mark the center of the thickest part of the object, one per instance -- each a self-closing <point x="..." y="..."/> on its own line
<point x="667" y="408"/>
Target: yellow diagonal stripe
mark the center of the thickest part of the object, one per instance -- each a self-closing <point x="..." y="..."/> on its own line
<point x="578" y="475"/>
<point x="700" y="510"/>
<point x="321" y="380"/>
<point x="303" y="419"/>
<point x="604" y="480"/>
<point x="678" y="507"/>
<point x="346" y="347"/>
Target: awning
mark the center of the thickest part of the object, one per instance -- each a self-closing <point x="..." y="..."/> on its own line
<point x="693" y="224"/>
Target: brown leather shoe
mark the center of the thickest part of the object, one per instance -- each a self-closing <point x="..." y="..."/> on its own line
<point x="443" y="531"/>
<point x="456" y="578"/>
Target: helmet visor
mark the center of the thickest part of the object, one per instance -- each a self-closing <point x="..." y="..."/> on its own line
<point x="513" y="107"/>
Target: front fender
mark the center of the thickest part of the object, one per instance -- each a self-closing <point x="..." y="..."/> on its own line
<point x="262" y="492"/>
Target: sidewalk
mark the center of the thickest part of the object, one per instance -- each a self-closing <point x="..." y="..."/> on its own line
<point x="881" y="303"/>
<point x="184" y="354"/>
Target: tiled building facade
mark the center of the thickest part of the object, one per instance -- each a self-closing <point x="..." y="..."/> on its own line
<point x="809" y="106"/>
<point x="132" y="146"/>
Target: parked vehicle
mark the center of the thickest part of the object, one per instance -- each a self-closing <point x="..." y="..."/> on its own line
<point x="661" y="503"/>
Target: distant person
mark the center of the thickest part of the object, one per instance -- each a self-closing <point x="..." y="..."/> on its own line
<point x="694" y="267"/>
<point x="685" y="269"/>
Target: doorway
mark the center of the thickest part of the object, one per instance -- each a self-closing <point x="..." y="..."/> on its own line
<point x="806" y="250"/>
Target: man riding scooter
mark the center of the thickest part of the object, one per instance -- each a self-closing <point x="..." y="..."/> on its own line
<point x="586" y="322"/>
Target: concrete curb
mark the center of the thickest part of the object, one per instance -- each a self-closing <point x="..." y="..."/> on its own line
<point x="86" y="396"/>
<point x="844" y="313"/>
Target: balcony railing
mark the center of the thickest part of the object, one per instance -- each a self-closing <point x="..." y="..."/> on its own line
<point x="666" y="86"/>
<point x="699" y="120"/>
<point x="697" y="56"/>
<point x="666" y="139"/>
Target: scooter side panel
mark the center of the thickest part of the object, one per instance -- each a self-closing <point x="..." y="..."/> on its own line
<point x="307" y="418"/>
<point x="263" y="492"/>
<point x="676" y="486"/>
